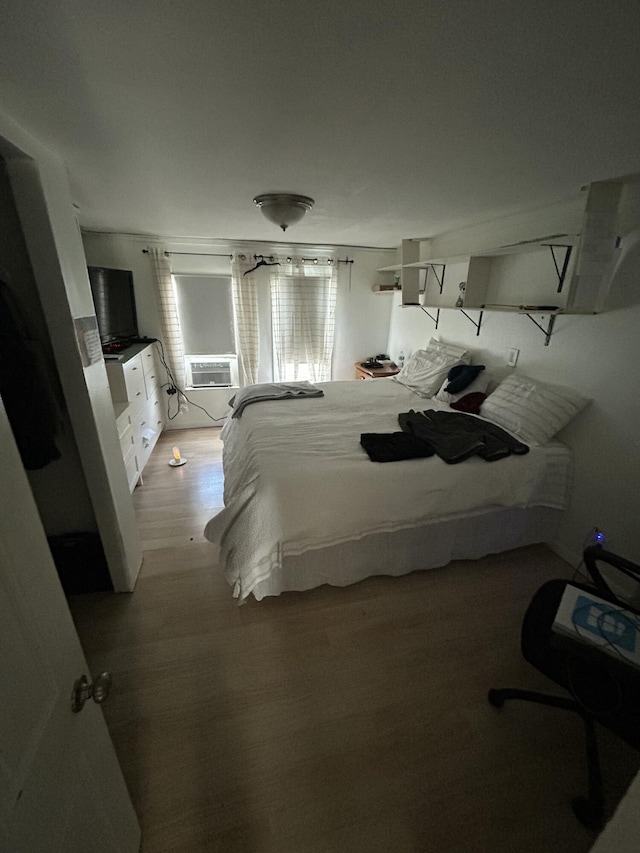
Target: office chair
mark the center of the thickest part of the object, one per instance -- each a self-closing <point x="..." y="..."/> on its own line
<point x="603" y="688"/>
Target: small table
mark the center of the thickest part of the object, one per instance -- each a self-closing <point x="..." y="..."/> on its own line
<point x="388" y="369"/>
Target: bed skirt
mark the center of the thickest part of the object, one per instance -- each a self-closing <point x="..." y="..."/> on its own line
<point x="416" y="549"/>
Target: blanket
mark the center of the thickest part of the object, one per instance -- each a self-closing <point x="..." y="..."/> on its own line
<point x="303" y="482"/>
<point x="271" y="391"/>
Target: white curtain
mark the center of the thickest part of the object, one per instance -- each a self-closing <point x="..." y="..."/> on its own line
<point x="303" y="303"/>
<point x="245" y="306"/>
<point x="169" y="320"/>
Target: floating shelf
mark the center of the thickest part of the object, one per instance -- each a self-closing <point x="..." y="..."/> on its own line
<point x="515" y="310"/>
<point x="525" y="312"/>
<point x="574" y="277"/>
<point x="556" y="240"/>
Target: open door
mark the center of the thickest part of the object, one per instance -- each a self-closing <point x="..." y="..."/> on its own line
<point x="61" y="788"/>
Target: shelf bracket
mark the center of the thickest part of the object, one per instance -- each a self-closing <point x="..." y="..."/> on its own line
<point x="435" y="319"/>
<point x="548" y="331"/>
<point x="561" y="273"/>
<point x="478" y="324"/>
<point x="439" y="278"/>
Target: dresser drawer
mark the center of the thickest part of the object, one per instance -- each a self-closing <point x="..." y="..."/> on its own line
<point x="148" y="417"/>
<point x="139" y="405"/>
<point x="151" y="381"/>
<point x="127" y="440"/>
<point x="134" y="381"/>
<point x="156" y="408"/>
<point x="149" y="359"/>
<point x="123" y="418"/>
<point x="132" y="468"/>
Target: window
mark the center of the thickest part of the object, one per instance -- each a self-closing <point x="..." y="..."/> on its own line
<point x="303" y="301"/>
<point x="205" y="309"/>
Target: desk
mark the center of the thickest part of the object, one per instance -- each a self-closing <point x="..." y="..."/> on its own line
<point x="388" y="369"/>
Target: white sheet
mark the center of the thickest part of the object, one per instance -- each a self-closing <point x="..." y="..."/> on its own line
<point x="297" y="479"/>
<point x="412" y="549"/>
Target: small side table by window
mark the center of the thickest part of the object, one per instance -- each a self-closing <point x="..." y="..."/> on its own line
<point x="388" y="369"/>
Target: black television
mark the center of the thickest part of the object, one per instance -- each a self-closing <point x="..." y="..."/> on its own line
<point x="115" y="305"/>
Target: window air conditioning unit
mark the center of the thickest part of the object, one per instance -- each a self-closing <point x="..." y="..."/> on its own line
<point x="212" y="371"/>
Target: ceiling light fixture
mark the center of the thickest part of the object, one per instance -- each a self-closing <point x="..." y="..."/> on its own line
<point x="283" y="209"/>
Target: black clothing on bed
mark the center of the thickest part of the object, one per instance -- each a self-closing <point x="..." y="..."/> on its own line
<point x="394" y="446"/>
<point x="456" y="436"/>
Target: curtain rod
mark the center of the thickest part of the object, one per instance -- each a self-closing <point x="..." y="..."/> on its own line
<point x="347" y="260"/>
<point x="198" y="254"/>
<point x="288" y="259"/>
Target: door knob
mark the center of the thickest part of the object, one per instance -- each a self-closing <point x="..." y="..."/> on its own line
<point x="83" y="690"/>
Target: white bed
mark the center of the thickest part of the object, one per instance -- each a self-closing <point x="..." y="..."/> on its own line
<point x="304" y="505"/>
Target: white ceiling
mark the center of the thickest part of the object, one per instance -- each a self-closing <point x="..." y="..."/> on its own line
<point x="401" y="120"/>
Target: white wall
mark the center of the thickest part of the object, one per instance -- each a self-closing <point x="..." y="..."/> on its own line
<point x="59" y="488"/>
<point x="599" y="355"/>
<point x="362" y="317"/>
<point x="43" y="202"/>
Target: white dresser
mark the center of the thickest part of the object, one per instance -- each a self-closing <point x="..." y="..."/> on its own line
<point x="134" y="379"/>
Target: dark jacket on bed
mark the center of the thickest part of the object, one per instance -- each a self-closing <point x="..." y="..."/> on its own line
<point x="455" y="436"/>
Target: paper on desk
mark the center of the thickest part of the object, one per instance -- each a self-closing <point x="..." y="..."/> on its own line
<point x="590" y="619"/>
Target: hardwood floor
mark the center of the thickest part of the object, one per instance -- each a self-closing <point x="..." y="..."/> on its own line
<point x="332" y="721"/>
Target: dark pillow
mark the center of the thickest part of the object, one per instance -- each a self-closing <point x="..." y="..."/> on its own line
<point x="462" y="375"/>
<point x="470" y="403"/>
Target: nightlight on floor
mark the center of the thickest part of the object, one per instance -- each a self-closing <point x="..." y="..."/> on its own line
<point x="177" y="459"/>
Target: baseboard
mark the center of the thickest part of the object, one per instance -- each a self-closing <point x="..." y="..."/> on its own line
<point x="573" y="558"/>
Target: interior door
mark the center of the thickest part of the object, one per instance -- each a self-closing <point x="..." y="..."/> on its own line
<point x="61" y="788"/>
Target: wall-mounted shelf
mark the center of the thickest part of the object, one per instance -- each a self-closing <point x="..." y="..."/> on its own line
<point x="521" y="248"/>
<point x="435" y="319"/>
<point x="511" y="309"/>
<point x="487" y="275"/>
<point x="437" y="270"/>
<point x="409" y="278"/>
<point x="383" y="288"/>
<point x="539" y="276"/>
<point x="477" y="323"/>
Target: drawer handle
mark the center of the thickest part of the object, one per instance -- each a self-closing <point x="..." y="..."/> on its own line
<point x="138" y="393"/>
<point x="134" y="368"/>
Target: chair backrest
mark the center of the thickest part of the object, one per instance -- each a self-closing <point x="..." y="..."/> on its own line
<point x="630" y="598"/>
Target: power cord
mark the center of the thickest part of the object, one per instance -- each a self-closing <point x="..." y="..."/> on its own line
<point x="577" y="573"/>
<point x="173" y="390"/>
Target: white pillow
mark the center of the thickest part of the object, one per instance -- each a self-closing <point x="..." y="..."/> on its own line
<point x="479" y="385"/>
<point x="534" y="411"/>
<point x="450" y="349"/>
<point x="425" y="371"/>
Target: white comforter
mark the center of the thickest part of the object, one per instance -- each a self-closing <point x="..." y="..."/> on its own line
<point x="296" y="478"/>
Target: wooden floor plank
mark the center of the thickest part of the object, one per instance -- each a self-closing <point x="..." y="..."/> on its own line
<point x="336" y="719"/>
